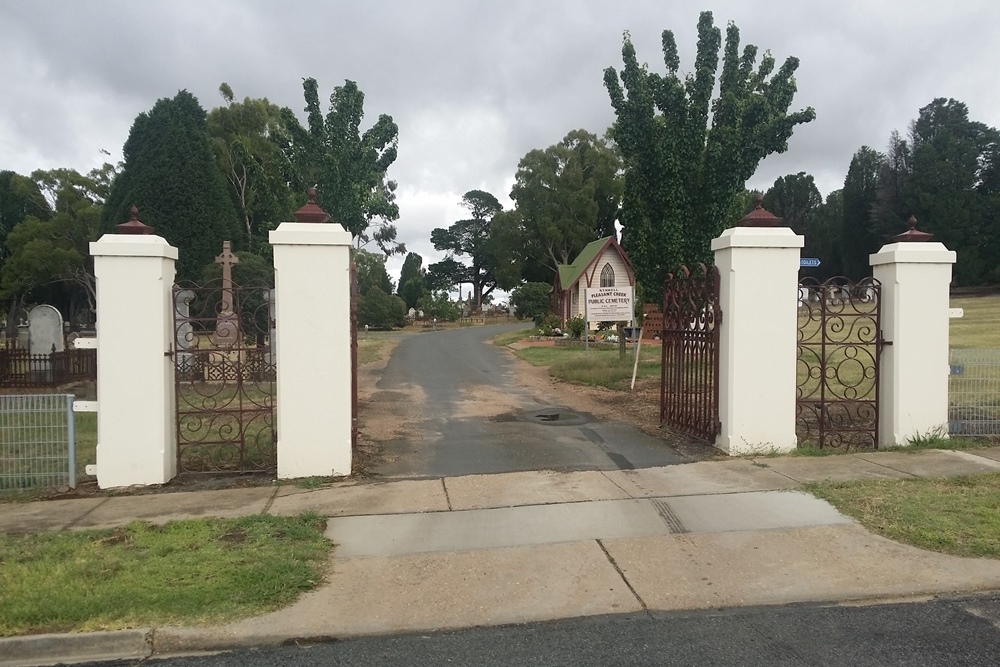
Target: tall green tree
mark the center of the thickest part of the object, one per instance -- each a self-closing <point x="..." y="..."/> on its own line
<point x="954" y="186"/>
<point x="890" y="208"/>
<point x="823" y="235"/>
<point x="412" y="283"/>
<point x="565" y="196"/>
<point x="857" y="235"/>
<point x="247" y="138"/>
<point x="51" y="250"/>
<point x="688" y="156"/>
<point x="793" y="198"/>
<point x="444" y="275"/>
<point x="371" y="272"/>
<point x="471" y="238"/>
<point x="170" y="174"/>
<point x="347" y="167"/>
<point x="20" y="197"/>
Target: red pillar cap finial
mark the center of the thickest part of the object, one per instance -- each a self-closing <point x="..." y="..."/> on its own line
<point x="759" y="216"/>
<point x="311" y="212"/>
<point x="912" y="235"/>
<point x="134" y="226"/>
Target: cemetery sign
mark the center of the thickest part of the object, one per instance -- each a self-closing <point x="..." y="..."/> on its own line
<point x="608" y="304"/>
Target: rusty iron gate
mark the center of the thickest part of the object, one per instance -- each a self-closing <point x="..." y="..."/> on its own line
<point x="837" y="375"/>
<point x="689" y="371"/>
<point x="224" y="369"/>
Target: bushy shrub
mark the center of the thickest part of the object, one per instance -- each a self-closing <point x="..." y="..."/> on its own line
<point x="436" y="305"/>
<point x="531" y="299"/>
<point x="550" y="325"/>
<point x="576" y="326"/>
<point x="378" y="310"/>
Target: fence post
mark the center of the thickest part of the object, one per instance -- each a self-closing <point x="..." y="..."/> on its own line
<point x="758" y="266"/>
<point x="314" y="375"/>
<point x="915" y="274"/>
<point x="136" y="430"/>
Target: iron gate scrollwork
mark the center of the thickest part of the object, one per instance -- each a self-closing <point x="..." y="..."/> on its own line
<point x="839" y="347"/>
<point x="224" y="369"/>
<point x="689" y="370"/>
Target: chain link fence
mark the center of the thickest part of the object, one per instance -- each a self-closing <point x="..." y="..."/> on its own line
<point x="974" y="392"/>
<point x="37" y="441"/>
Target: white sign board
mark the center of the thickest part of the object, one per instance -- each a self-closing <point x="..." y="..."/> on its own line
<point x="608" y="304"/>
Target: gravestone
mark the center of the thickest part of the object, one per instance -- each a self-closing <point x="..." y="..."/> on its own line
<point x="45" y="330"/>
<point x="226" y="324"/>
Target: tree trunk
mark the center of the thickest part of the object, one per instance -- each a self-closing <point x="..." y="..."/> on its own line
<point x="15" y="305"/>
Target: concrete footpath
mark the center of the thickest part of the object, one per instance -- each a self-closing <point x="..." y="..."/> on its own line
<point x="433" y="554"/>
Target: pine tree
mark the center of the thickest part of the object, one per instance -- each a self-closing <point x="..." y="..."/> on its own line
<point x="170" y="174"/>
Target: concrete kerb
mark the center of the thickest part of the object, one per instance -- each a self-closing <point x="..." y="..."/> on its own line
<point x="54" y="649"/>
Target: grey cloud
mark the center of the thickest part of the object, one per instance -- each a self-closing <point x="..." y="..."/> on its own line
<point x="472" y="85"/>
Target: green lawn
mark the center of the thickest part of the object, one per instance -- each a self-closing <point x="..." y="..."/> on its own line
<point x="600" y="366"/>
<point x="183" y="573"/>
<point x="959" y="516"/>
<point x="979" y="327"/>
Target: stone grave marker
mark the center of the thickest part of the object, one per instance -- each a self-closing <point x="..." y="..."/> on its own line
<point x="45" y="330"/>
<point x="226" y="324"/>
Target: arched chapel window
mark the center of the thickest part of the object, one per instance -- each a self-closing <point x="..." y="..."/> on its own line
<point x="607" y="276"/>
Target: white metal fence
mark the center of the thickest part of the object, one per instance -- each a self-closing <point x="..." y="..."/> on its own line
<point x="974" y="392"/>
<point x="37" y="441"/>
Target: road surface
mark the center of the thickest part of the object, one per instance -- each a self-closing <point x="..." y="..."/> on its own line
<point x="474" y="417"/>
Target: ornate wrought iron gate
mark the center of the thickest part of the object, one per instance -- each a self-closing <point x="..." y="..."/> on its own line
<point x="689" y="371"/>
<point x="224" y="368"/>
<point x="839" y="346"/>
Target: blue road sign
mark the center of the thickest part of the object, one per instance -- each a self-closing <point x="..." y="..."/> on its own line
<point x="809" y="261"/>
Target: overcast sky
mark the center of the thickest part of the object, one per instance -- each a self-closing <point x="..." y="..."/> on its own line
<point x="473" y="85"/>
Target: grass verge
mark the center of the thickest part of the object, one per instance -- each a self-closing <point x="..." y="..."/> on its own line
<point x="508" y="337"/>
<point x="959" y="515"/>
<point x="183" y="573"/>
<point x="598" y="367"/>
<point x="917" y="444"/>
<point x="371" y="348"/>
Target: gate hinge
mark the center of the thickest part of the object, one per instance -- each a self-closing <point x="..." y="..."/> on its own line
<point x="169" y="353"/>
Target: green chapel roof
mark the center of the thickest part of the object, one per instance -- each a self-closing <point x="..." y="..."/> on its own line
<point x="570" y="273"/>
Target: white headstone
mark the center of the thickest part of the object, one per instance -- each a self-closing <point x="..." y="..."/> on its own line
<point x="45" y="330"/>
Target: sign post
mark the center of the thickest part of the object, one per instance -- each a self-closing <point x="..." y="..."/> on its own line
<point x="606" y="304"/>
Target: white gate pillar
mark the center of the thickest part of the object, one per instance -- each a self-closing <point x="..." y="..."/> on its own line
<point x="136" y="429"/>
<point x="312" y="344"/>
<point x="758" y="272"/>
<point x="913" y="384"/>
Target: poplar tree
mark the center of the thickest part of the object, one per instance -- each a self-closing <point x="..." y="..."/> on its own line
<point x="688" y="156"/>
